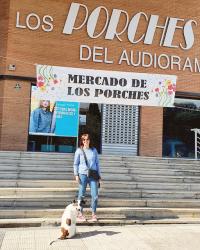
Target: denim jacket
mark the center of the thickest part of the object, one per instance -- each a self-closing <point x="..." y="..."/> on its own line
<point x="40" y="121"/>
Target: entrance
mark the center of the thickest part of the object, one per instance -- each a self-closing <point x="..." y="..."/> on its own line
<point x="120" y="129"/>
<point x="178" y="139"/>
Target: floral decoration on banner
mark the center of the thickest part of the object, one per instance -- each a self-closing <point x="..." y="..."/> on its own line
<point x="165" y="91"/>
<point x="46" y="80"/>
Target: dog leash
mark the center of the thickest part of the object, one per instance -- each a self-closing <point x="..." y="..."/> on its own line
<point x="53" y="241"/>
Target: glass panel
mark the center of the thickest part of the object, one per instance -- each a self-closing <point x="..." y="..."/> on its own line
<point x="89" y="122"/>
<point x="178" y="139"/>
<point x="51" y="144"/>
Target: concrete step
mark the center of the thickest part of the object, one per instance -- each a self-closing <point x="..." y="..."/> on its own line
<point x="164" y="172"/>
<point x="104" y="169"/>
<point x="119" y="169"/>
<point x="156" y="162"/>
<point x="117" y="166"/>
<point x="108" y="213"/>
<point x="148" y="188"/>
<point x="46" y="160"/>
<point x="39" y="155"/>
<point x="8" y="183"/>
<point x="18" y="192"/>
<point x="141" y="177"/>
<point x="60" y="156"/>
<point x="51" y="199"/>
<point x="166" y="179"/>
<point x="36" y="183"/>
<point x="164" y="194"/>
<point x="168" y="186"/>
<point x="61" y="201"/>
<point x="57" y="176"/>
<point x="103" y="202"/>
<point x="104" y="192"/>
<point x="44" y="222"/>
<point x="57" y="169"/>
<point x="160" y="160"/>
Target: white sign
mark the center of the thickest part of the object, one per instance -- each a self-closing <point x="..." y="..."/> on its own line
<point x="109" y="87"/>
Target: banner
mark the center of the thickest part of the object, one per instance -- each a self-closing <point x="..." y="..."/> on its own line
<point x="53" y="118"/>
<point x="108" y="87"/>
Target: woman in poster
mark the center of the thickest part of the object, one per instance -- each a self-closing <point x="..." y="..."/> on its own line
<point x="41" y="117"/>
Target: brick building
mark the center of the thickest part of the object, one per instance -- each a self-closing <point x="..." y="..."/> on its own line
<point x="32" y="32"/>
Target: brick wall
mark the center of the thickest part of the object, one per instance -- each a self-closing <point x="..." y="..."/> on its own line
<point x="151" y="127"/>
<point x="25" y="48"/>
<point x="1" y="108"/>
<point x="14" y="130"/>
<point x="4" y="20"/>
<point x="55" y="48"/>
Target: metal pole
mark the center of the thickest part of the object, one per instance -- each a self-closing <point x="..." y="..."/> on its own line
<point x="195" y="144"/>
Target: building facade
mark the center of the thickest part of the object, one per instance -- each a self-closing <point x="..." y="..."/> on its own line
<point x="153" y="37"/>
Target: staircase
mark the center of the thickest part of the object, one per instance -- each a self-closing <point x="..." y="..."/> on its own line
<point x="36" y="187"/>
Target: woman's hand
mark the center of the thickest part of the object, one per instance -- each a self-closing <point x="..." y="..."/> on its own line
<point x="77" y="178"/>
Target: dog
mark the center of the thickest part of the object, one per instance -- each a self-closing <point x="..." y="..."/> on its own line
<point x="68" y="220"/>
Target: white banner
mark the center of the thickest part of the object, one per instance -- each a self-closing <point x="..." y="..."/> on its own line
<point x="100" y="86"/>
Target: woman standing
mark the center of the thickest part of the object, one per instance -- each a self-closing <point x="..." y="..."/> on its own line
<point x="86" y="158"/>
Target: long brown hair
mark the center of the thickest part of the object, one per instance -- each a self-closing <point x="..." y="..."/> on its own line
<point x="83" y="136"/>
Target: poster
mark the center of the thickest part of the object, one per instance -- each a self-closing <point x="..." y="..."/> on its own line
<point x="53" y="118"/>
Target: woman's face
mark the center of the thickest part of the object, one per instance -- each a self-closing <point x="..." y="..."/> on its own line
<point x="45" y="103"/>
<point x="86" y="142"/>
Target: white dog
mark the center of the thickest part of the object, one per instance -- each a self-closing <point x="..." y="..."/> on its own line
<point x="68" y="220"/>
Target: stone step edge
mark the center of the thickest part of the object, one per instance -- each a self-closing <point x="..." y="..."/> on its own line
<point x="137" y="199"/>
<point x="41" y="222"/>
<point x="30" y="154"/>
<point x="72" y="182"/>
<point x="108" y="209"/>
<point x="103" y="189"/>
<point x="109" y="176"/>
<point x="50" y="158"/>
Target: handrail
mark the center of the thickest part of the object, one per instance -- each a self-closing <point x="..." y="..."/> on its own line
<point x="197" y="142"/>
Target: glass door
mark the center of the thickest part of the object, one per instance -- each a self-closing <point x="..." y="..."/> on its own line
<point x="178" y="139"/>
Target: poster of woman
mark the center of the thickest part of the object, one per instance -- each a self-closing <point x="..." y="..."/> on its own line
<point x="50" y="118"/>
<point x="41" y="118"/>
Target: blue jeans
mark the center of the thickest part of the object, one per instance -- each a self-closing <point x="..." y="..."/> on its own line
<point x="84" y="180"/>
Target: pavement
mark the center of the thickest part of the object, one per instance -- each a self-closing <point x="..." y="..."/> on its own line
<point x="127" y="237"/>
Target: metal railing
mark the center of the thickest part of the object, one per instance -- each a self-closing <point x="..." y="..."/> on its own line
<point x="197" y="142"/>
